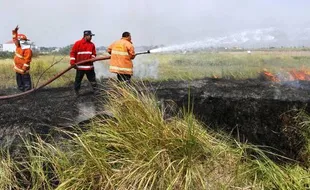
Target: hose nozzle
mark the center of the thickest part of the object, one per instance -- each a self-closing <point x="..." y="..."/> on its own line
<point x="144" y="52"/>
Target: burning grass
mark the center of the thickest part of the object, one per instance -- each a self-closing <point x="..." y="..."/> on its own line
<point x="138" y="149"/>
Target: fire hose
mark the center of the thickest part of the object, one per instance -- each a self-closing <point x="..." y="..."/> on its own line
<point x="60" y="74"/>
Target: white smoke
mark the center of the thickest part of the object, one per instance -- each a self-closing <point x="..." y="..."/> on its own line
<point x="144" y="66"/>
<point x="102" y="69"/>
<point x="86" y="111"/>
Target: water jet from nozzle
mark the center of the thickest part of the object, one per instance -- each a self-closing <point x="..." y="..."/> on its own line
<point x="247" y="39"/>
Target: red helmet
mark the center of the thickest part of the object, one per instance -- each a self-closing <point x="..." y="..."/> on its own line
<point x="22" y="37"/>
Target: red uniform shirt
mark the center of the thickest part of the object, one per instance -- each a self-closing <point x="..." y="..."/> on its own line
<point x="83" y="50"/>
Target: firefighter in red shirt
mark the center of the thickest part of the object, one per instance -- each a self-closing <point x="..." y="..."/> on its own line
<point x="82" y="50"/>
<point x="22" y="59"/>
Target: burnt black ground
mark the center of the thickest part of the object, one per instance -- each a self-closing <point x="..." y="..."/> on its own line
<point x="251" y="110"/>
<point x="45" y="110"/>
<point x="255" y="111"/>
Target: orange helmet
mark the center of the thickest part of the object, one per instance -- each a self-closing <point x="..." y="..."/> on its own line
<point x="22" y="37"/>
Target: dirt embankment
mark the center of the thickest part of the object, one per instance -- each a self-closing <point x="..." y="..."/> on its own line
<point x="257" y="111"/>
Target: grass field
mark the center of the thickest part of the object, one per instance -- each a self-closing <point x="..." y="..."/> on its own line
<point x="238" y="65"/>
<point x="141" y="150"/>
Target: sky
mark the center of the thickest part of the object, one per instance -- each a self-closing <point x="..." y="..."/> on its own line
<point x="161" y="22"/>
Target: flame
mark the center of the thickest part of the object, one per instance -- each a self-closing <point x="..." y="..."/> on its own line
<point x="270" y="76"/>
<point x="292" y="75"/>
<point x="299" y="75"/>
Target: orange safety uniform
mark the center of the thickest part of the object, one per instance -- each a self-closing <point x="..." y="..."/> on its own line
<point x="122" y="52"/>
<point x="83" y="50"/>
<point x="22" y="56"/>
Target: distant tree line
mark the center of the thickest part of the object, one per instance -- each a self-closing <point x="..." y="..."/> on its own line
<point x="10" y="55"/>
<point x="6" y="54"/>
<point x="63" y="50"/>
<point x="54" y="50"/>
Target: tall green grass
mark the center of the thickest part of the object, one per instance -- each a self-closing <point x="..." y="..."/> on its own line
<point x="7" y="179"/>
<point x="137" y="148"/>
<point x="42" y="69"/>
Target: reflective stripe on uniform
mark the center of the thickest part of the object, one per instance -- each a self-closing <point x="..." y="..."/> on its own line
<point x="18" y="55"/>
<point x="93" y="56"/>
<point x="18" y="69"/>
<point x="72" y="58"/>
<point x="84" y="52"/>
<point x="115" y="52"/>
<point x="120" y="68"/>
<point x="85" y="67"/>
<point x="26" y="65"/>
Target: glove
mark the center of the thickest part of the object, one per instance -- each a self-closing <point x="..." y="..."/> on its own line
<point x="16" y="28"/>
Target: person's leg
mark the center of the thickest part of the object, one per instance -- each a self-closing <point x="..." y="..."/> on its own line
<point x="91" y="76"/>
<point x="119" y="78"/>
<point x="124" y="78"/>
<point x="19" y="82"/>
<point x="78" y="79"/>
<point x="27" y="82"/>
<point x="127" y="78"/>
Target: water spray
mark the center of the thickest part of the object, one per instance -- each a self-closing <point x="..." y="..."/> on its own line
<point x="247" y="39"/>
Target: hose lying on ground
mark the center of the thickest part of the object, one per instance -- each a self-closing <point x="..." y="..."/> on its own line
<point x="54" y="78"/>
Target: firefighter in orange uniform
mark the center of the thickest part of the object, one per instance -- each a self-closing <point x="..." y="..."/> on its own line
<point x="122" y="53"/>
<point x="22" y="59"/>
<point x="82" y="50"/>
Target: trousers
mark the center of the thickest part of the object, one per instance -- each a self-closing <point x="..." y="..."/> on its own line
<point x="23" y="82"/>
<point x="91" y="76"/>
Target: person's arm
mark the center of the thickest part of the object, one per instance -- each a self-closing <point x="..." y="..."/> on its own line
<point x="27" y="59"/>
<point x="73" y="53"/>
<point x="14" y="35"/>
<point x="109" y="50"/>
<point x="131" y="51"/>
<point x="94" y="53"/>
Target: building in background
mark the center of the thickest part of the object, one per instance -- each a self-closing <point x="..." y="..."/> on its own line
<point x="9" y="46"/>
